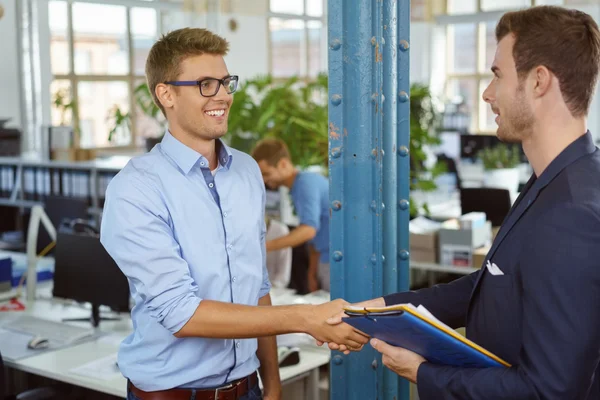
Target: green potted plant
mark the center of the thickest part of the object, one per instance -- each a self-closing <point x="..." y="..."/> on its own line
<point x="291" y="110"/>
<point x="122" y="120"/>
<point x="500" y="164"/>
<point x="424" y="121"/>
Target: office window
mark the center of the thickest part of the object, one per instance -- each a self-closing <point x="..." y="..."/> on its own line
<point x="98" y="54"/>
<point x="471" y="47"/>
<point x="297" y="34"/>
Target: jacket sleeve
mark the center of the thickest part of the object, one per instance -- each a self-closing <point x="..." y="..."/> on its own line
<point x="448" y="302"/>
<point x="560" y="275"/>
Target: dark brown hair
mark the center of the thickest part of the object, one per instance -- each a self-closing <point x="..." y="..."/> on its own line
<point x="565" y="41"/>
<point x="167" y="54"/>
<point x="271" y="150"/>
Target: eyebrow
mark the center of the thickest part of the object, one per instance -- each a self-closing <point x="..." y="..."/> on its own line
<point x="210" y="77"/>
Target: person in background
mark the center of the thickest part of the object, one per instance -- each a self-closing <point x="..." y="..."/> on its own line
<point x="279" y="262"/>
<point x="310" y="196"/>
<point x="186" y="225"/>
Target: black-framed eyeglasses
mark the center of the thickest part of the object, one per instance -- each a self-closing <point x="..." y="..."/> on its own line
<point x="209" y="87"/>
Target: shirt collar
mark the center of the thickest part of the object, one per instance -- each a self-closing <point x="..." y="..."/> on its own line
<point x="186" y="158"/>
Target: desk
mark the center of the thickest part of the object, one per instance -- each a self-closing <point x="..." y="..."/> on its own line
<point x="58" y="364"/>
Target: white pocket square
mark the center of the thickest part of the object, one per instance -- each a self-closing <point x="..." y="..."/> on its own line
<point x="493" y="269"/>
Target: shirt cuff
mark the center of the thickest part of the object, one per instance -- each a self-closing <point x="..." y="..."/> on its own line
<point x="182" y="314"/>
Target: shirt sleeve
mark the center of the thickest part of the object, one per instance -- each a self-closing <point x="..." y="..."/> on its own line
<point x="137" y="234"/>
<point x="307" y="204"/>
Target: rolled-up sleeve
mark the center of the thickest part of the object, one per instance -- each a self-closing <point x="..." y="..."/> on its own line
<point x="137" y="234"/>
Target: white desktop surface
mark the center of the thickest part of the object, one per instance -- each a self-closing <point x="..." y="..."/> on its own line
<point x="58" y="364"/>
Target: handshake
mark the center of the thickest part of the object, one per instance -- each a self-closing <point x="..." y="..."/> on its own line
<point x="326" y="326"/>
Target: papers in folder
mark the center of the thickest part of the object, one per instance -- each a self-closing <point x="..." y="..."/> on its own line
<point x="416" y="329"/>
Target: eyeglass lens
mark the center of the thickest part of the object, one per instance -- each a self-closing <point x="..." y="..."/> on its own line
<point x="210" y="87"/>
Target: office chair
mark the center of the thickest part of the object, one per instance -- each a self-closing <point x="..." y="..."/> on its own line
<point x="299" y="276"/>
<point x="44" y="393"/>
<point x="495" y="203"/>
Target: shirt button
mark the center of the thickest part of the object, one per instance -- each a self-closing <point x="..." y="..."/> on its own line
<point x="211" y="185"/>
<point x="237" y="345"/>
<point x="229" y="246"/>
<point x="202" y="163"/>
<point x="233" y="279"/>
<point x="224" y="214"/>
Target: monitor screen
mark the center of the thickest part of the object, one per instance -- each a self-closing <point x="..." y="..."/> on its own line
<point x="85" y="272"/>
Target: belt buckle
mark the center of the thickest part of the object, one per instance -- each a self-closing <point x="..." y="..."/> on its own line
<point x="229" y="386"/>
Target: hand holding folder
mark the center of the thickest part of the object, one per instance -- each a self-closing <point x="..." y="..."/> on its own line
<point x="417" y="330"/>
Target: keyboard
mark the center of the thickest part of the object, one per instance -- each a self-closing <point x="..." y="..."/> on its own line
<point x="56" y="332"/>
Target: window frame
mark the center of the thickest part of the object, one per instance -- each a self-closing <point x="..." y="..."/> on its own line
<point x="304" y="75"/>
<point x="130" y="78"/>
<point x="482" y="72"/>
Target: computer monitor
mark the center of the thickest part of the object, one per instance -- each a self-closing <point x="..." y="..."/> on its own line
<point x="85" y="272"/>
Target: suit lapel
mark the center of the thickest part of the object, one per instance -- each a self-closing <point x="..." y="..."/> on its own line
<point x="579" y="148"/>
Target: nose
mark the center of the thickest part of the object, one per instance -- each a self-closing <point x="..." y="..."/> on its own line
<point x="488" y="93"/>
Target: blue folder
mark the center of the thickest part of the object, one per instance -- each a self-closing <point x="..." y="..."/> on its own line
<point x="402" y="326"/>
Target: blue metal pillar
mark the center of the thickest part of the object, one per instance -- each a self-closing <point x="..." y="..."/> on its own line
<point x="369" y="172"/>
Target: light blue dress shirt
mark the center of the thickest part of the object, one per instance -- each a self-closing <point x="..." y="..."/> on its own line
<point x="310" y="195"/>
<point x="181" y="234"/>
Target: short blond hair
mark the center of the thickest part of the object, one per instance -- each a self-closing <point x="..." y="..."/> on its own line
<point x="167" y="54"/>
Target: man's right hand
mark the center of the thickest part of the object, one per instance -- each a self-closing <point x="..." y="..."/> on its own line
<point x="338" y="319"/>
<point x="340" y="334"/>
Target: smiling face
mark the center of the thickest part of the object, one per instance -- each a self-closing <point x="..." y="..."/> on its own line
<point x="202" y="117"/>
<point x="273" y="175"/>
<point x="507" y="95"/>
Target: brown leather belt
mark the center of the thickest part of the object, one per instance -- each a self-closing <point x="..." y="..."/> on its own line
<point x="231" y="391"/>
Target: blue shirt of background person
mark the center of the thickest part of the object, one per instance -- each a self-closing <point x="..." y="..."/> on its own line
<point x="310" y="196"/>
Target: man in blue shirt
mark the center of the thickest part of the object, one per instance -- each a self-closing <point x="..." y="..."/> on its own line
<point x="310" y="195"/>
<point x="186" y="225"/>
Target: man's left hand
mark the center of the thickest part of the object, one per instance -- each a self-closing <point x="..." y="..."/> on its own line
<point x="403" y="362"/>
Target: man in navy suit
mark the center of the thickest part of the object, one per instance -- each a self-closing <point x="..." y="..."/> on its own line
<point x="540" y="309"/>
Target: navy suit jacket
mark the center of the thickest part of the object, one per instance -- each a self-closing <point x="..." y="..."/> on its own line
<point x="543" y="315"/>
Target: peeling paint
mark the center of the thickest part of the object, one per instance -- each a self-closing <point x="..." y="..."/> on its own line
<point x="334" y="131"/>
<point x="345" y="132"/>
<point x="378" y="55"/>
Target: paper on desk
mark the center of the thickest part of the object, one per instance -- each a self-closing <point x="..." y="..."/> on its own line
<point x="105" y="369"/>
<point x="423" y="225"/>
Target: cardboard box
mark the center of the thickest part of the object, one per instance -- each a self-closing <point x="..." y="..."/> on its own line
<point x="424" y="247"/>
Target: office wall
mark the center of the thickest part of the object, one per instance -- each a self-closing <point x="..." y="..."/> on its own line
<point x="10" y="77"/>
<point x="248" y="55"/>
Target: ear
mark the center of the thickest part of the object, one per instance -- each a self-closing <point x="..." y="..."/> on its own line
<point x="164" y="93"/>
<point x="283" y="163"/>
<point x="542" y="78"/>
